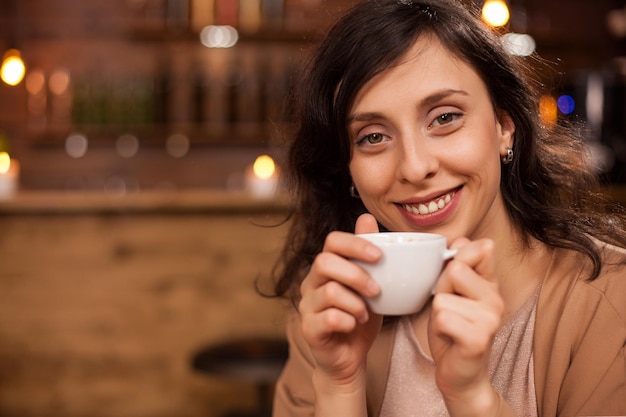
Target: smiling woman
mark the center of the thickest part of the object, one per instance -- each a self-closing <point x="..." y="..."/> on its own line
<point x="413" y="117"/>
<point x="407" y="163"/>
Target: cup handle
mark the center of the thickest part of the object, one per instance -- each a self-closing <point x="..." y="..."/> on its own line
<point x="449" y="254"/>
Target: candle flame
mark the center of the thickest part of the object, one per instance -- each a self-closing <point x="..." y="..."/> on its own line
<point x="264" y="167"/>
<point x="5" y="162"/>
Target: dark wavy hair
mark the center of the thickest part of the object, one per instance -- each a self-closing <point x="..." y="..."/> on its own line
<point x="549" y="190"/>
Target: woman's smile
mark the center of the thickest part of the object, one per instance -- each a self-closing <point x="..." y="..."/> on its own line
<point x="429" y="207"/>
<point x="431" y="212"/>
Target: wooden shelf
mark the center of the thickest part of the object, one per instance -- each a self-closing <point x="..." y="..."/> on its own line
<point x="144" y="202"/>
<point x="240" y="134"/>
<point x="161" y="33"/>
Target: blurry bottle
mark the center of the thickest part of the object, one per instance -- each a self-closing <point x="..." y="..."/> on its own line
<point x="177" y="15"/>
<point x="202" y="14"/>
<point x="161" y="91"/>
<point x="249" y="15"/>
<point x="227" y="12"/>
<point x="37" y="98"/>
<point x="263" y="100"/>
<point x="273" y="13"/>
<point x="80" y="104"/>
<point x="233" y="92"/>
<point x="198" y="98"/>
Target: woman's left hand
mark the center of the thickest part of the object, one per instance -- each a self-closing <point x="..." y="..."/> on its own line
<point x="467" y="312"/>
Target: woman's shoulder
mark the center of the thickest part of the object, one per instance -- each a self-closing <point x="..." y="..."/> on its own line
<point x="569" y="283"/>
<point x="609" y="287"/>
<point x="611" y="282"/>
<point x="580" y="334"/>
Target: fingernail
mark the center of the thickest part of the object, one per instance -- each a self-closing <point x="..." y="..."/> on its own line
<point x="372" y="251"/>
<point x="372" y="288"/>
<point x="364" y="318"/>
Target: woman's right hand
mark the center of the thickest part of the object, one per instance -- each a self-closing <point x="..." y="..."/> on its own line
<point x="336" y="322"/>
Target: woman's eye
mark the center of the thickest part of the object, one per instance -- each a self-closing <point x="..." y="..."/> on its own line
<point x="372" y="138"/>
<point x="446" y="118"/>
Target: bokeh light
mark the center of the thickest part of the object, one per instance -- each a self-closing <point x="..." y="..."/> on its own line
<point x="59" y="81"/>
<point x="566" y="104"/>
<point x="548" y="110"/>
<point x="214" y="36"/>
<point x="127" y="145"/>
<point x="35" y="81"/>
<point x="177" y="145"/>
<point x="13" y="69"/>
<point x="76" y="145"/>
<point x="5" y="162"/>
<point x="519" y="44"/>
<point x="496" y="13"/>
<point x="264" y="167"/>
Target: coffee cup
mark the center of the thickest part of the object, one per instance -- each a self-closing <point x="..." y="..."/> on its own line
<point x="408" y="270"/>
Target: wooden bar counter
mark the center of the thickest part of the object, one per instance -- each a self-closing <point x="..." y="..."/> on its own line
<point x="104" y="299"/>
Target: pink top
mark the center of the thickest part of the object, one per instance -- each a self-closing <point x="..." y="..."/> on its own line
<point x="411" y="388"/>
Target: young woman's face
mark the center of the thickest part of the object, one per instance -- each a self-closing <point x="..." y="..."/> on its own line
<point x="427" y="146"/>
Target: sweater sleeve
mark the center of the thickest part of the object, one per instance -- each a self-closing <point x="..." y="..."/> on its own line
<point x="294" y="395"/>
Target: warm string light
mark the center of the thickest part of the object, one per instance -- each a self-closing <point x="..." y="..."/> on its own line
<point x="13" y="69"/>
<point x="496" y="13"/>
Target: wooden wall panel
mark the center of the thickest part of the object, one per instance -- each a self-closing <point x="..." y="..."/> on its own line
<point x="100" y="314"/>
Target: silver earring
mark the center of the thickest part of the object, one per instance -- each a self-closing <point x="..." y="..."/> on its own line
<point x="508" y="158"/>
<point x="354" y="193"/>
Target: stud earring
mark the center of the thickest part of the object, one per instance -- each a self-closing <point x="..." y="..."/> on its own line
<point x="354" y="193"/>
<point x="508" y="158"/>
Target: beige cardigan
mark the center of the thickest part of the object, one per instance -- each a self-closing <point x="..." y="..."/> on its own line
<point x="579" y="347"/>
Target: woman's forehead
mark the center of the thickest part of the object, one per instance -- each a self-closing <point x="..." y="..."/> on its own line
<point x="427" y="65"/>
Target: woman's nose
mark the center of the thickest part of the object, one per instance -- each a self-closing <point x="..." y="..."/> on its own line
<point x="416" y="160"/>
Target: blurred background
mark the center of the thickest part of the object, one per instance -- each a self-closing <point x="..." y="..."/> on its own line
<point x="140" y="186"/>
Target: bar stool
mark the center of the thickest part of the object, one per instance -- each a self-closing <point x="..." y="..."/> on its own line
<point x="254" y="360"/>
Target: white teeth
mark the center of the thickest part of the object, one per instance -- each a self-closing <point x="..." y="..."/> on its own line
<point x="431" y="207"/>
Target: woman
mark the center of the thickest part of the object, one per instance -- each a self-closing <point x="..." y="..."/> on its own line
<point x="413" y="118"/>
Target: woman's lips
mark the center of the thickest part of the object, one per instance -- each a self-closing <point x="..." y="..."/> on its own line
<point x="430" y="207"/>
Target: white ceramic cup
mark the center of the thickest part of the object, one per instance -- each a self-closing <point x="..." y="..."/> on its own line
<point x="407" y="271"/>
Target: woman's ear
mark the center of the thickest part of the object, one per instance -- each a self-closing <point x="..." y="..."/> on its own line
<point x="506" y="132"/>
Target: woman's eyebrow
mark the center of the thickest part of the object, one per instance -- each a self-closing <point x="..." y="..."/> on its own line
<point x="365" y="117"/>
<point x="440" y="95"/>
<point x="428" y="101"/>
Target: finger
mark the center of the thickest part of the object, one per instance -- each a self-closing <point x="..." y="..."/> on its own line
<point x="350" y="246"/>
<point x="336" y="296"/>
<point x="478" y="255"/>
<point x="474" y="312"/>
<point x="331" y="267"/>
<point x="474" y="332"/>
<point x="462" y="333"/>
<point x="459" y="243"/>
<point x="317" y="328"/>
<point x="366" y="223"/>
<point x="459" y="278"/>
